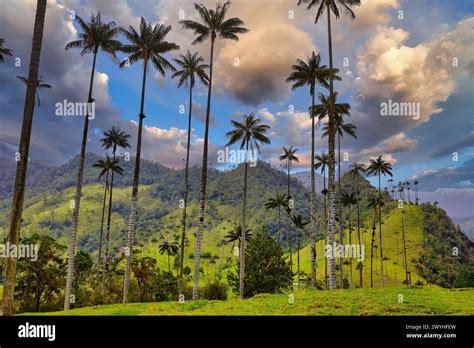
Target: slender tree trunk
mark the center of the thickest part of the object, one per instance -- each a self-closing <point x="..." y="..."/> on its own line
<point x="350" y="246"/>
<point x="358" y="225"/>
<point x="24" y="150"/>
<point x="134" y="200"/>
<point x="186" y="176"/>
<point x="169" y="266"/>
<point x="244" y="216"/>
<point x="77" y="197"/>
<point x="298" y="256"/>
<point x="331" y="178"/>
<point x="341" y="232"/>
<point x="105" y="260"/>
<point x="372" y="256"/>
<point x="279" y="224"/>
<point x="289" y="227"/>
<point x="313" y="196"/>
<point x="102" y="218"/>
<point x="325" y="226"/>
<point x="202" y="193"/>
<point x="404" y="246"/>
<point x="380" y="234"/>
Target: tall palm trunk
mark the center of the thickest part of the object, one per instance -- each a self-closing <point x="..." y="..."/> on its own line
<point x="102" y="218"/>
<point x="77" y="197"/>
<point x="107" y="235"/>
<point x="22" y="164"/>
<point x="350" y="246"/>
<point x="186" y="179"/>
<point x="358" y="225"/>
<point x="202" y="193"/>
<point x="244" y="216"/>
<point x="313" y="198"/>
<point x="298" y="256"/>
<point x="372" y="251"/>
<point x="289" y="226"/>
<point x="380" y="234"/>
<point x="404" y="246"/>
<point x="325" y="229"/>
<point x="331" y="178"/>
<point x="134" y="200"/>
<point x="341" y="232"/>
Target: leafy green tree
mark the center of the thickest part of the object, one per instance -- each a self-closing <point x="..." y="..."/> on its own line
<point x="267" y="270"/>
<point x="331" y="6"/>
<point x="96" y="35"/>
<point x="251" y="133"/>
<point x="144" y="269"/>
<point x="190" y="67"/>
<point x="213" y="25"/>
<point x="82" y="269"/>
<point x="40" y="281"/>
<point x="377" y="167"/>
<point x="169" y="248"/>
<point x="24" y="150"/>
<point x="148" y="44"/>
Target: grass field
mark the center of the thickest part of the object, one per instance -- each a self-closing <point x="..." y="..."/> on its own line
<point x="416" y="301"/>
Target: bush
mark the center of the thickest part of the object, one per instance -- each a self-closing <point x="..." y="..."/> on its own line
<point x="215" y="291"/>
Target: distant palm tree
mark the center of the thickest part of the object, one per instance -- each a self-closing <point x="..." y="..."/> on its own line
<point x="331" y="6"/>
<point x="213" y="25"/>
<point x="4" y="51"/>
<point x="113" y="139"/>
<point x="170" y="248"/>
<point x="148" y="45"/>
<point x="358" y="169"/>
<point x="107" y="166"/>
<point x="377" y="167"/>
<point x="416" y="191"/>
<point x="250" y="133"/>
<point x="322" y="161"/>
<point x="300" y="224"/>
<point x="340" y="110"/>
<point x="280" y="200"/>
<point x="39" y="85"/>
<point x="190" y="67"/>
<point x="289" y="156"/>
<point x="96" y="35"/>
<point x="348" y="199"/>
<point x="24" y="149"/>
<point x="235" y="235"/>
<point x="309" y="73"/>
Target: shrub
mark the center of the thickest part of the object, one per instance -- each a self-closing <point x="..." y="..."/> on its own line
<point x="215" y="291"/>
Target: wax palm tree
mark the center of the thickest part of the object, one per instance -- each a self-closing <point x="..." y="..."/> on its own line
<point x="40" y="85"/>
<point x="300" y="224"/>
<point x="348" y="199"/>
<point x="190" y="67"/>
<point x="170" y="248"/>
<point x="148" y="44"/>
<point x="213" y="25"/>
<point x="4" y="51"/>
<point x="373" y="203"/>
<point x="251" y="133"/>
<point x="322" y="161"/>
<point x="235" y="235"/>
<point x="331" y="6"/>
<point x="24" y="149"/>
<point x="107" y="167"/>
<point x="309" y="73"/>
<point x="378" y="167"/>
<point x="289" y="156"/>
<point x="358" y="169"/>
<point x="415" y="183"/>
<point x="113" y="139"/>
<point x="280" y="200"/>
<point x="96" y="35"/>
<point x="340" y="110"/>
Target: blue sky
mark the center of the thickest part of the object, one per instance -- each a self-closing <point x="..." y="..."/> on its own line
<point x="404" y="59"/>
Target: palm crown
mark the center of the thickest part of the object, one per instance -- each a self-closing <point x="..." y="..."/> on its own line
<point x="108" y="165"/>
<point x="279" y="200"/>
<point x="148" y="44"/>
<point x="4" y="51"/>
<point x="115" y="137"/>
<point x="251" y="132"/>
<point x="97" y="35"/>
<point x="357" y="169"/>
<point x="322" y="161"/>
<point x="214" y="25"/>
<point x="289" y="154"/>
<point x="333" y="5"/>
<point x="379" y="166"/>
<point x="191" y="66"/>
